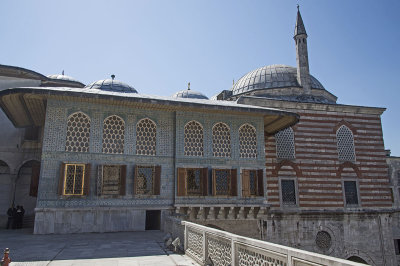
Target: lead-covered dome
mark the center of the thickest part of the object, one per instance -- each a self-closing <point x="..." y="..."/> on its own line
<point x="269" y="77"/>
<point x="111" y="85"/>
<point x="62" y="77"/>
<point x="190" y="94"/>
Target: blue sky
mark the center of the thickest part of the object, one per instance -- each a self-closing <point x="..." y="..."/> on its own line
<point x="159" y="46"/>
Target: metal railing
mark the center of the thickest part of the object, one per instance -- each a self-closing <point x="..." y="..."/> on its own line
<point x="209" y="246"/>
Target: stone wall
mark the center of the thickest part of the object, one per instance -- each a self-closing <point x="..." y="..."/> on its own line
<point x="169" y="155"/>
<point x="365" y="235"/>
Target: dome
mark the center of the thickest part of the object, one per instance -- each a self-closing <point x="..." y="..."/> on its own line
<point x="190" y="94"/>
<point x="269" y="77"/>
<point x="62" y="77"/>
<point x="111" y="85"/>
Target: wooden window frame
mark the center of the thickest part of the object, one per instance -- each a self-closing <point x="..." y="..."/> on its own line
<point x="259" y="183"/>
<point x="85" y="179"/>
<point x="182" y="182"/>
<point x="156" y="180"/>
<point x="232" y="182"/>
<point x="122" y="180"/>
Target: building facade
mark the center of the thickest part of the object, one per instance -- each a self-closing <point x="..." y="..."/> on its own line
<point x="275" y="158"/>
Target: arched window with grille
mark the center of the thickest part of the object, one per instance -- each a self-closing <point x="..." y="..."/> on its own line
<point x="221" y="136"/>
<point x="78" y="133"/>
<point x="194" y="136"/>
<point x="146" y="137"/>
<point x="247" y="141"/>
<point x="113" y="134"/>
<point x="285" y="144"/>
<point x="345" y="144"/>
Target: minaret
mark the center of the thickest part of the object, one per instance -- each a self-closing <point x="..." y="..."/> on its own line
<point x="300" y="37"/>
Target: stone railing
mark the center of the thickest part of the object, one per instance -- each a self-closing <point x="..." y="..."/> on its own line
<point x="209" y="246"/>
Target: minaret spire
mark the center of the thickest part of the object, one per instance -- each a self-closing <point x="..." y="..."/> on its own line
<point x="300" y="38"/>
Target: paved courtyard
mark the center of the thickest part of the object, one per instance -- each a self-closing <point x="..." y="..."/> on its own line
<point x="117" y="249"/>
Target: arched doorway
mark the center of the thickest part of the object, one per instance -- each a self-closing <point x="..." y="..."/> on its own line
<point x="6" y="189"/>
<point x="26" y="188"/>
<point x="357" y="259"/>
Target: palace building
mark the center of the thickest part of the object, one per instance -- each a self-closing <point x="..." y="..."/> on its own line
<point x="275" y="158"/>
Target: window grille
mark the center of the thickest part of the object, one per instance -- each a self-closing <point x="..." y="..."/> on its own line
<point x="78" y="133"/>
<point x="288" y="192"/>
<point x="350" y="191"/>
<point x="222" y="180"/>
<point x="323" y="240"/>
<point x="221" y="136"/>
<point x="193" y="139"/>
<point x="193" y="177"/>
<point x="146" y="137"/>
<point x="345" y="144"/>
<point x="253" y="182"/>
<point x="111" y="180"/>
<point x="113" y="135"/>
<point x="247" y="141"/>
<point x="144" y="180"/>
<point x="73" y="179"/>
<point x="285" y="144"/>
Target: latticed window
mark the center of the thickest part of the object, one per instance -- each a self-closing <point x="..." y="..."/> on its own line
<point x="147" y="180"/>
<point x="193" y="139"/>
<point x="247" y="141"/>
<point x="78" y="133"/>
<point x="146" y="137"/>
<point x="350" y="192"/>
<point x="252" y="183"/>
<point x="345" y="144"/>
<point x="285" y="144"/>
<point x="111" y="180"/>
<point x="74" y="176"/>
<point x="113" y="134"/>
<point x="222" y="180"/>
<point x="193" y="182"/>
<point x="221" y="137"/>
<point x="288" y="192"/>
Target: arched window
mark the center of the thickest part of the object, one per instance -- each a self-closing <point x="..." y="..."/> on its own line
<point x="345" y="144"/>
<point x="247" y="141"/>
<point x="285" y="144"/>
<point x="221" y="136"/>
<point x="193" y="139"/>
<point x="146" y="137"/>
<point x="78" y="133"/>
<point x="113" y="134"/>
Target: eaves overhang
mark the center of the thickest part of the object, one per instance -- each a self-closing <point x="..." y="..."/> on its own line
<point x="26" y="106"/>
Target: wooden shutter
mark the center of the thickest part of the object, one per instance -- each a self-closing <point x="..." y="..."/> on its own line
<point x="135" y="176"/>
<point x="260" y="182"/>
<point x="122" y="187"/>
<point x="86" y="184"/>
<point x="157" y="180"/>
<point x="34" y="179"/>
<point x="61" y="179"/>
<point x="234" y="182"/>
<point x="181" y="182"/>
<point x="245" y="183"/>
<point x="204" y="180"/>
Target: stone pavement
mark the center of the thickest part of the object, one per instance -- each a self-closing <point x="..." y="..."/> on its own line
<point x="116" y="249"/>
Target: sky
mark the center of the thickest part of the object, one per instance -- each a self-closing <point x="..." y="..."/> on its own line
<point x="159" y="46"/>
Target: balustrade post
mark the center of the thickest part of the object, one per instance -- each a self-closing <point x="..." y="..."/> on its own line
<point x="185" y="236"/>
<point x="205" y="253"/>
<point x="233" y="252"/>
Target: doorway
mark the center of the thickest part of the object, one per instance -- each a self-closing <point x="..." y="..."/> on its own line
<point x="153" y="220"/>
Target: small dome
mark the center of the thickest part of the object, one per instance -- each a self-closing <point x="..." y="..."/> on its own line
<point x="111" y="85"/>
<point x="269" y="77"/>
<point x="62" y="77"/>
<point x="190" y="94"/>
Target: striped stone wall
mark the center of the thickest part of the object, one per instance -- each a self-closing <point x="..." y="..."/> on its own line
<point x="317" y="170"/>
